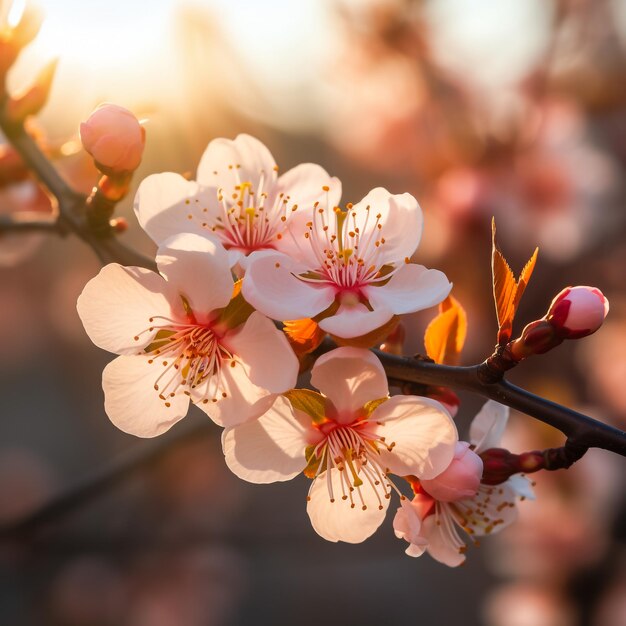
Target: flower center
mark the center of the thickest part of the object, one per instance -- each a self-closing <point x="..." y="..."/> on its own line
<point x="353" y="452"/>
<point x="481" y="513"/>
<point x="249" y="219"/>
<point x="347" y="245"/>
<point x="190" y="357"/>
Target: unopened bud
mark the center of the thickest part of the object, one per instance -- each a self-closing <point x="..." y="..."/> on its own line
<point x="114" y="138"/>
<point x="500" y="464"/>
<point x="460" y="480"/>
<point x="119" y="225"/>
<point x="537" y="337"/>
<point x="33" y="99"/>
<point x="12" y="167"/>
<point x="578" y="311"/>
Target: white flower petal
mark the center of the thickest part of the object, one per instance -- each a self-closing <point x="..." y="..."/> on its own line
<point x="243" y="400"/>
<point x="164" y="203"/>
<point x="265" y="353"/>
<point x="488" y="426"/>
<point x="407" y="525"/>
<point x="225" y="163"/>
<point x="521" y="486"/>
<point x="498" y="506"/>
<point x="338" y="520"/>
<point x="271" y="287"/>
<point x="356" y="320"/>
<point x="412" y="288"/>
<point x="349" y="378"/>
<point x="401" y="219"/>
<point x="117" y="304"/>
<point x="198" y="268"/>
<point x="443" y="545"/>
<point x="423" y="432"/>
<point x="269" y="449"/>
<point x="132" y="403"/>
<point x="304" y="185"/>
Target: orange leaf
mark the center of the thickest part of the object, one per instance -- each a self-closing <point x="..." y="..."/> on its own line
<point x="304" y="335"/>
<point x="507" y="292"/>
<point x="445" y="335"/>
<point x="524" y="277"/>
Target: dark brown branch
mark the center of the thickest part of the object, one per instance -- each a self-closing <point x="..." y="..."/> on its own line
<point x="101" y="481"/>
<point x="29" y="221"/>
<point x="72" y="206"/>
<point x="580" y="429"/>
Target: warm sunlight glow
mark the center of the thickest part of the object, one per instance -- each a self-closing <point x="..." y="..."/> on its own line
<point x="101" y="33"/>
<point x="15" y="13"/>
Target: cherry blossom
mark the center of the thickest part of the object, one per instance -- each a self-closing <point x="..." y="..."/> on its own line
<point x="430" y="524"/>
<point x="181" y="337"/>
<point x="238" y="198"/>
<point x="347" y="440"/>
<point x="350" y="269"/>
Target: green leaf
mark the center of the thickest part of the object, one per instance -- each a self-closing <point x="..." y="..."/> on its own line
<point x="162" y="338"/>
<point x="310" y="402"/>
<point x="373" y="404"/>
<point x="237" y="311"/>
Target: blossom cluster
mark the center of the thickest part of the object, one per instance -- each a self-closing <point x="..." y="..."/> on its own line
<point x="242" y="248"/>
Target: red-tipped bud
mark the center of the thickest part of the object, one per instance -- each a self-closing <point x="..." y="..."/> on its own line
<point x="460" y="480"/>
<point x="578" y="311"/>
<point x="537" y="337"/>
<point x="12" y="168"/>
<point x="500" y="464"/>
<point x="33" y="99"/>
<point x="119" y="225"/>
<point x="114" y="138"/>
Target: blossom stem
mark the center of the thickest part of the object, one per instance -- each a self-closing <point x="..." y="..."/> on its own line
<point x="72" y="206"/>
<point x="500" y="464"/>
<point x="28" y="221"/>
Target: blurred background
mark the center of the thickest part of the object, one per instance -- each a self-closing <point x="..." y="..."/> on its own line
<point x="514" y="108"/>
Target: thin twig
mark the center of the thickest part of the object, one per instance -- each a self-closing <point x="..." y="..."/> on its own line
<point x="102" y="480"/>
<point x="71" y="204"/>
<point x="28" y="221"/>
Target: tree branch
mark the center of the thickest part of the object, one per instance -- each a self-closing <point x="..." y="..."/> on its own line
<point x="72" y="206"/>
<point x="582" y="432"/>
<point x="29" y="221"/>
<point x="101" y="481"/>
<point x="580" y="429"/>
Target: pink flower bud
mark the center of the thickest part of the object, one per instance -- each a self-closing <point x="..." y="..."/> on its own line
<point x="114" y="138"/>
<point x="578" y="311"/>
<point x="460" y="480"/>
<point x="538" y="337"/>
